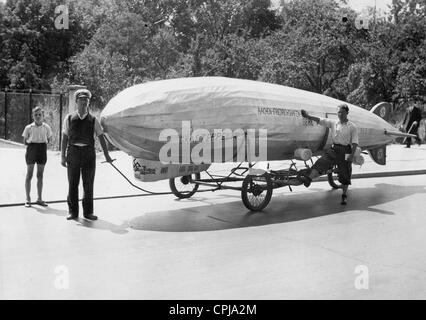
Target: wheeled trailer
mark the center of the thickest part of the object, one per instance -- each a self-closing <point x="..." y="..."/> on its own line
<point x="256" y="188"/>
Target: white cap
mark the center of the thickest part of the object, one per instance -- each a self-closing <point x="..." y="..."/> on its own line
<point x="82" y="93"/>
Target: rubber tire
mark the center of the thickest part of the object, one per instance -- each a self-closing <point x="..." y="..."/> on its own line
<point x="180" y="195"/>
<point x="333" y="184"/>
<point x="244" y="193"/>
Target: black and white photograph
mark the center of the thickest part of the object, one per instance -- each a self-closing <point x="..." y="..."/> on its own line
<point x="212" y="150"/>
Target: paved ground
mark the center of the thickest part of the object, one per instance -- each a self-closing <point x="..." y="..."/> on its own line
<point x="305" y="245"/>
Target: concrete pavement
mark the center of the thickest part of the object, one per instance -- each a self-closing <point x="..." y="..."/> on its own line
<point x="305" y="245"/>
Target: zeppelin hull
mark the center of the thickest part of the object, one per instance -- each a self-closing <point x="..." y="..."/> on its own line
<point x="221" y="112"/>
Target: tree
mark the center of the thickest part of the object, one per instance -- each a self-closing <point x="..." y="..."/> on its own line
<point x="393" y="69"/>
<point x="128" y="48"/>
<point x="410" y="45"/>
<point x="216" y="19"/>
<point x="25" y="73"/>
<point x="314" y="49"/>
<point x="216" y="37"/>
<point x="32" y="23"/>
<point x="102" y="72"/>
<point x="234" y="57"/>
<point x="3" y="59"/>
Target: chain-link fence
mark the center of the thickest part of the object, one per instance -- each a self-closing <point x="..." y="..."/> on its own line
<point x="16" y="108"/>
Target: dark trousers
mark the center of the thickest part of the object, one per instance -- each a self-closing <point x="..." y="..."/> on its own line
<point x="81" y="160"/>
<point x="336" y="156"/>
<point x="414" y="130"/>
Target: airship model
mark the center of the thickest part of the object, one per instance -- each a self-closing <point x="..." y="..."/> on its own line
<point x="175" y="129"/>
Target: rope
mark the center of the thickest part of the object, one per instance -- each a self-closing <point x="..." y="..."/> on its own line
<point x="135" y="186"/>
<point x="147" y="191"/>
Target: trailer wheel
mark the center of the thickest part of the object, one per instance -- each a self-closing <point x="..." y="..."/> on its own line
<point x="256" y="192"/>
<point x="331" y="181"/>
<point x="184" y="187"/>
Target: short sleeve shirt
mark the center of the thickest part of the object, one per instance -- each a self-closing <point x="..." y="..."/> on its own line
<point x="37" y="134"/>
<point x="98" y="127"/>
<point x="341" y="133"/>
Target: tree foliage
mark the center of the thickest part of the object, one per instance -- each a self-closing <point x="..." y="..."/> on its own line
<point x="312" y="45"/>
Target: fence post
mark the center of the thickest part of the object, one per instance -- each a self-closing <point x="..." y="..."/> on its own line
<point x="5" y="113"/>
<point x="60" y="121"/>
<point x="29" y="119"/>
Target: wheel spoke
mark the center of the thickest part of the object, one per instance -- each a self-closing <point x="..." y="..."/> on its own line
<point x="256" y="192"/>
<point x="256" y="200"/>
<point x="184" y="187"/>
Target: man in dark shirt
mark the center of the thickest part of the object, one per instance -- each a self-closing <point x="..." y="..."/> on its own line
<point x="78" y="154"/>
<point x="411" y="123"/>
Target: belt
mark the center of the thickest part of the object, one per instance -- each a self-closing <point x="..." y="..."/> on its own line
<point x="341" y="145"/>
<point x="79" y="146"/>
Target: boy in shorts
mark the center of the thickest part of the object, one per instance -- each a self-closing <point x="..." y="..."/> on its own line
<point x="36" y="137"/>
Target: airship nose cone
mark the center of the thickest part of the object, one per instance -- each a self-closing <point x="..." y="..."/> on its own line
<point x="127" y="123"/>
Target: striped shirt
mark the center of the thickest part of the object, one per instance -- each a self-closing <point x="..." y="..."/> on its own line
<point x="37" y="134"/>
<point x="341" y="133"/>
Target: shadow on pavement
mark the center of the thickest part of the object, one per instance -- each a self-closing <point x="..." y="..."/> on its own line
<point x="103" y="225"/>
<point x="49" y="210"/>
<point x="98" y="224"/>
<point x="282" y="209"/>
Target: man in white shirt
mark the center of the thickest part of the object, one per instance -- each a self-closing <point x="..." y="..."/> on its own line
<point x="344" y="135"/>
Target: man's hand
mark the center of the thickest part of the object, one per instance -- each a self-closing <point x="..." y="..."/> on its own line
<point x="108" y="158"/>
<point x="63" y="161"/>
<point x="350" y="158"/>
<point x="304" y="114"/>
<point x="103" y="142"/>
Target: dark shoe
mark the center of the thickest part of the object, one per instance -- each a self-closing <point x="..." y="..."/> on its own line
<point x="344" y="200"/>
<point x="91" y="217"/>
<point x="71" y="216"/>
<point x="27" y="204"/>
<point x="41" y="203"/>
<point x="305" y="180"/>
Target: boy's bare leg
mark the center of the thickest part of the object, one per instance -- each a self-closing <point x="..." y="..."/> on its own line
<point x="40" y="171"/>
<point x="28" y="177"/>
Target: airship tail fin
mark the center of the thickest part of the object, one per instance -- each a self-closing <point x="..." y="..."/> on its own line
<point x="378" y="155"/>
<point x="383" y="110"/>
